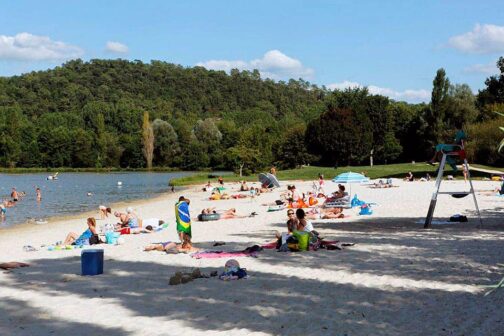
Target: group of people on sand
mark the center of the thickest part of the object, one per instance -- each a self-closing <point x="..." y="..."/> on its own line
<point x="127" y="223"/>
<point x="184" y="231"/>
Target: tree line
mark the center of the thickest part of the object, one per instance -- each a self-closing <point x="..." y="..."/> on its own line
<point x="130" y="114"/>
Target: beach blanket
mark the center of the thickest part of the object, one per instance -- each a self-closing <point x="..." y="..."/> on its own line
<point x="223" y="254"/>
<point x="182" y="217"/>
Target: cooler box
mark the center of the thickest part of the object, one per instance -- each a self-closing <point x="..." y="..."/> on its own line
<point x="92" y="262"/>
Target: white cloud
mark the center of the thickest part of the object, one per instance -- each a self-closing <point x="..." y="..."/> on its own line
<point x="274" y="64"/>
<point x="26" y="46"/>
<point x="413" y="96"/>
<point x="116" y="47"/>
<point x="487" y="69"/>
<point x="483" y="39"/>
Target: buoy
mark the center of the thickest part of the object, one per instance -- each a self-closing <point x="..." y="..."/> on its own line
<point x="119" y="183"/>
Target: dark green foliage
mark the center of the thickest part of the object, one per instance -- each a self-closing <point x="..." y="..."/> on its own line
<point x="89" y="114"/>
<point x="291" y="151"/>
<point x="341" y="136"/>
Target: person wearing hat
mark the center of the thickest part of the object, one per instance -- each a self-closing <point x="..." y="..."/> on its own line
<point x="183" y="219"/>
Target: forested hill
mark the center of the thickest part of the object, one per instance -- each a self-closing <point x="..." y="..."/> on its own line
<point x="99" y="106"/>
<point x="117" y="113"/>
<point x="165" y="90"/>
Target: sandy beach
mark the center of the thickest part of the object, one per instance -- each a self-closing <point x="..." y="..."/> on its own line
<point x="398" y="279"/>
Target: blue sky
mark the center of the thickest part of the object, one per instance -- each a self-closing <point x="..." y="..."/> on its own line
<point x="393" y="47"/>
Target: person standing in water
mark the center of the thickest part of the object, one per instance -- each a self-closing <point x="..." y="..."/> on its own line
<point x="14" y="195"/>
<point x="183" y="219"/>
<point x="39" y="194"/>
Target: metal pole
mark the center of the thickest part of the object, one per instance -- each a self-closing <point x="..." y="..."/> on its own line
<point x="466" y="165"/>
<point x="432" y="206"/>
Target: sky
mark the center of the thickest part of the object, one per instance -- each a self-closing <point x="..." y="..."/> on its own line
<point x="392" y="47"/>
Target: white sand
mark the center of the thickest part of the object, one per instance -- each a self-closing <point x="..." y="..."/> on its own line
<point x="398" y="280"/>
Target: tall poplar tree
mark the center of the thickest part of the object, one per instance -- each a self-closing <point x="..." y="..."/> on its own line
<point x="147" y="140"/>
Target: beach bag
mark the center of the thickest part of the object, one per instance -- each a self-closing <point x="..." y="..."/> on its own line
<point x="293" y="244"/>
<point x="94" y="240"/>
<point x="303" y="239"/>
<point x="458" y="218"/>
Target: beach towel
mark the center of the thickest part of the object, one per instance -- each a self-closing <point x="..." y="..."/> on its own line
<point x="182" y="217"/>
<point x="223" y="254"/>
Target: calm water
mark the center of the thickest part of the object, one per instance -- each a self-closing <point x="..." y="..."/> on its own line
<point x="68" y="194"/>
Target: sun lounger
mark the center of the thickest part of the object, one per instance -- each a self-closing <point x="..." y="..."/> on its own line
<point x="343" y="202"/>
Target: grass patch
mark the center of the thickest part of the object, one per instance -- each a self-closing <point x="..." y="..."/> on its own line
<point x="311" y="173"/>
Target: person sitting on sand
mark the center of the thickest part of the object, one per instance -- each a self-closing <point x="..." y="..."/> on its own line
<point x="132" y="218"/>
<point x="409" y="177"/>
<point x="104" y="211"/>
<point x="303" y="223"/>
<point x="84" y="239"/>
<point x="244" y="186"/>
<point x="264" y="188"/>
<point x="122" y="217"/>
<point x="208" y="187"/>
<point x="292" y="221"/>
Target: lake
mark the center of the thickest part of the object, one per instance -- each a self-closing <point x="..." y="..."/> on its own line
<point x="69" y="194"/>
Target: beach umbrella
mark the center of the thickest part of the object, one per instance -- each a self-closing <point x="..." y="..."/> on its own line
<point x="350" y="178"/>
<point x="269" y="180"/>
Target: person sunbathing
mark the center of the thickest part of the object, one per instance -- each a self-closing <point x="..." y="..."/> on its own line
<point x="171" y="247"/>
<point x="229" y="214"/>
<point x="12" y="264"/>
<point x="332" y="213"/>
<point x="224" y="214"/>
<point x="341" y="193"/>
<point x="122" y="217"/>
<point x="85" y="238"/>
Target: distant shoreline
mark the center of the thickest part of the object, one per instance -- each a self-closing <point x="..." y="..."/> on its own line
<point x="86" y="170"/>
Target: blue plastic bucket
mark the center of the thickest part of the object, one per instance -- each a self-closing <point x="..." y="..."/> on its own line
<point x="92" y="262"/>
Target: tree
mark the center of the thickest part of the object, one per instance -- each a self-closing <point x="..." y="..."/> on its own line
<point x="494" y="91"/>
<point x="147" y="140"/>
<point x="166" y="144"/>
<point x="391" y="147"/>
<point x="340" y="136"/>
<point x="241" y="157"/>
<point x="435" y="116"/>
<point x="291" y="151"/>
<point x="462" y="108"/>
